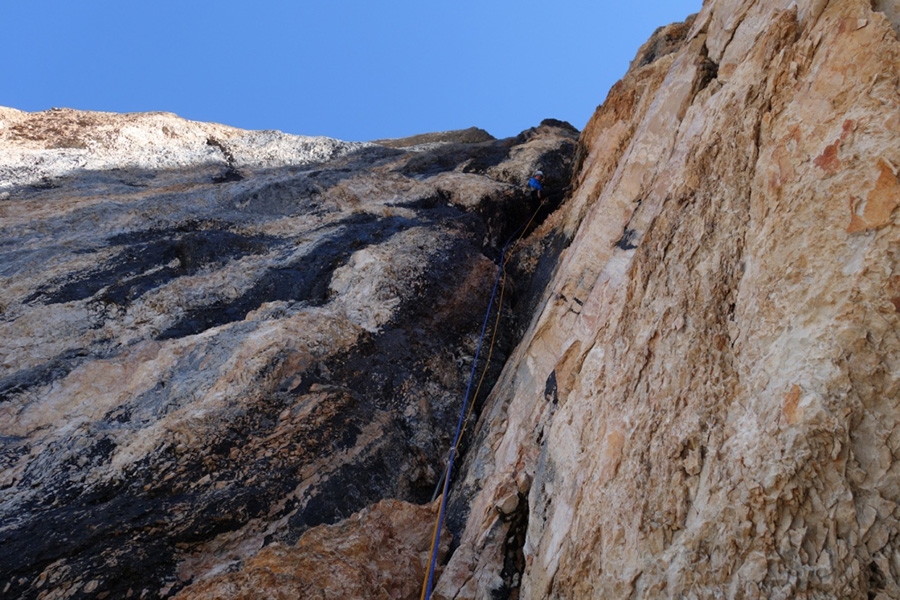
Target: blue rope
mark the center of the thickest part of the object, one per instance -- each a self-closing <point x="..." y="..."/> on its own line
<point x="462" y="415"/>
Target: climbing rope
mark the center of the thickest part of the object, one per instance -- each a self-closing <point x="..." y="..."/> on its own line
<point x="468" y="400"/>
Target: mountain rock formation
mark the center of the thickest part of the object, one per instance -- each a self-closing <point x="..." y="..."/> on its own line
<point x="231" y="360"/>
<point x="214" y="340"/>
<point x="707" y="401"/>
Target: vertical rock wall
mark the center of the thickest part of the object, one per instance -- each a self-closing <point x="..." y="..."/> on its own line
<point x="706" y="404"/>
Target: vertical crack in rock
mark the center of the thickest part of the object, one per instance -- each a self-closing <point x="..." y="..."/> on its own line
<point x="707" y="71"/>
<point x="513" y="551"/>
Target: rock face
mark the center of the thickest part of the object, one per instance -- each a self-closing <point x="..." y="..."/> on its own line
<point x="380" y="552"/>
<point x="214" y="340"/>
<point x="707" y="402"/>
<point x="219" y="348"/>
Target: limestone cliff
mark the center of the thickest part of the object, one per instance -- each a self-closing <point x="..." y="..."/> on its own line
<point x="213" y="341"/>
<point x="707" y="402"/>
<point x="225" y="354"/>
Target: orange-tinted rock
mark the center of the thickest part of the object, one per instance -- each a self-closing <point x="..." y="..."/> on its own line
<point x="828" y="161"/>
<point x="880" y="203"/>
<point x="382" y="552"/>
<point x="714" y="309"/>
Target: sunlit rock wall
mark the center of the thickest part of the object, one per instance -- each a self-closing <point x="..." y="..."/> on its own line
<point x="707" y="403"/>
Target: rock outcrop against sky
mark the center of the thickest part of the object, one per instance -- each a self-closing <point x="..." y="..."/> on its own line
<point x="231" y="359"/>
<point x="707" y="404"/>
<point x="214" y="340"/>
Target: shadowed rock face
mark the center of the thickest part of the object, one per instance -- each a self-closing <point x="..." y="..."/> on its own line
<point x="213" y="340"/>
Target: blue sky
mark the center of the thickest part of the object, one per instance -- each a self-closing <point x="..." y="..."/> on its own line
<point x="348" y="69"/>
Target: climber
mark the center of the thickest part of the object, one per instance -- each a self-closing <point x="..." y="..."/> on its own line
<point x="536" y="185"/>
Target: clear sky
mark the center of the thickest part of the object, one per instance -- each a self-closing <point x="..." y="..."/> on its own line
<point x="350" y="69"/>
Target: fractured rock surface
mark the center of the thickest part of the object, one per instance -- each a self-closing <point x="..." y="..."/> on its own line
<point x="707" y="403"/>
<point x="379" y="553"/>
<point x="213" y="340"/>
<point x="224" y="350"/>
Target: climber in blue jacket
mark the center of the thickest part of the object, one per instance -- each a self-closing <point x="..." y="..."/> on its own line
<point x="536" y="185"/>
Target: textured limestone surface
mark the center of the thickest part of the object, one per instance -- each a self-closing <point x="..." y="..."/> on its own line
<point x="221" y="350"/>
<point x="379" y="553"/>
<point x="214" y="340"/>
<point x="707" y="401"/>
<point x="39" y="147"/>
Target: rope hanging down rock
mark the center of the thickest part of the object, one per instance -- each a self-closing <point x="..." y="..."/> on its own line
<point x="466" y="409"/>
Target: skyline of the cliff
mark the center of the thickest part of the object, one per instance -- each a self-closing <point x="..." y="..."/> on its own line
<point x="353" y="71"/>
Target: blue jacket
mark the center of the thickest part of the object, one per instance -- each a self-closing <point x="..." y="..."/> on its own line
<point x="534" y="184"/>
